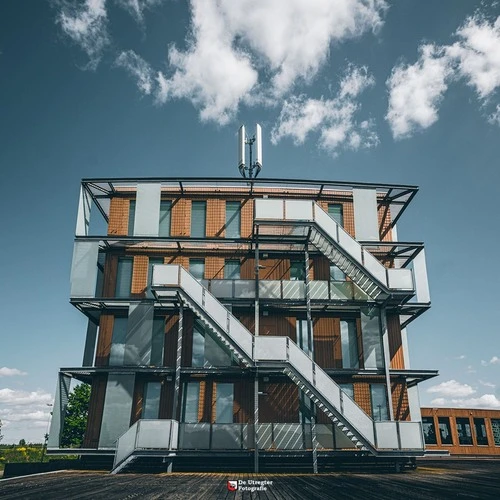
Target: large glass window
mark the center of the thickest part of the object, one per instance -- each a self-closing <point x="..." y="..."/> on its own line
<point x="165" y="210"/>
<point x="224" y="404"/>
<point x="297" y="271"/>
<point x="151" y="400"/>
<point x="198" y="355"/>
<point x="152" y="262"/>
<point x="495" y="426"/>
<point x="197" y="268"/>
<point x="349" y="341"/>
<point x="463" y="430"/>
<point x="118" y="341"/>
<point x="336" y="212"/>
<point x="429" y="430"/>
<point x="157" y="341"/>
<point x="348" y="389"/>
<point x="336" y="274"/>
<point x="191" y="402"/>
<point x="480" y="428"/>
<point x="303" y="339"/>
<point x="123" y="277"/>
<point x="233" y="219"/>
<point x="207" y="352"/>
<point x="198" y="219"/>
<point x="131" y="218"/>
<point x="445" y="430"/>
<point x="379" y="402"/>
<point x="232" y="270"/>
<point x="372" y="338"/>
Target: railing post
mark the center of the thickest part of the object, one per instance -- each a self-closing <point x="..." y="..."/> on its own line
<point x="177" y="383"/>
<point x="314" y="444"/>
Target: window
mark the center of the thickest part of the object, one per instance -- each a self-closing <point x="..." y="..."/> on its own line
<point x="379" y="402"/>
<point x="480" y="428"/>
<point x="164" y="226"/>
<point x="118" y="342"/>
<point x="191" y="402"/>
<point x="336" y="274"/>
<point x="495" y="426"/>
<point x="198" y="219"/>
<point x="297" y="271"/>
<point x="197" y="268"/>
<point x="232" y="270"/>
<point x="336" y="212"/>
<point x="224" y="404"/>
<point x="233" y="219"/>
<point x="151" y="400"/>
<point x="464" y="431"/>
<point x="152" y="262"/>
<point x="348" y="389"/>
<point x="157" y="341"/>
<point x="303" y="339"/>
<point x="349" y="341"/>
<point x="123" y="277"/>
<point x="429" y="430"/>
<point x="198" y="354"/>
<point x="131" y="218"/>
<point x="445" y="430"/>
<point x="207" y="352"/>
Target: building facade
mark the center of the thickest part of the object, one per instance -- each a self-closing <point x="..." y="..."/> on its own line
<point x="228" y="312"/>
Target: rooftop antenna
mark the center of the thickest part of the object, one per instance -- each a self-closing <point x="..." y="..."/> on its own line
<point x="254" y="167"/>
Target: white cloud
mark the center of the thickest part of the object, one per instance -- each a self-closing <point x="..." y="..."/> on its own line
<point x="495" y="360"/>
<point x="15" y="397"/>
<point x="138" y="68"/>
<point x="87" y="26"/>
<point x="487" y="384"/>
<point x="484" y="401"/>
<point x="333" y="118"/>
<point x="10" y="372"/>
<point x="439" y="402"/>
<point x="136" y="8"/>
<point x="478" y="54"/>
<point x="494" y="118"/>
<point x="452" y="389"/>
<point x="462" y="356"/>
<point x="415" y="91"/>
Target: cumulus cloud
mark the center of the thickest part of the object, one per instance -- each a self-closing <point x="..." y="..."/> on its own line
<point x="333" y="118"/>
<point x="10" y="372"/>
<point x="487" y="384"/>
<point x="138" y="68"/>
<point x="452" y="389"/>
<point x="15" y="397"/>
<point x="136" y="8"/>
<point x="416" y="90"/>
<point x="87" y="25"/>
<point x="484" y="401"/>
<point x="495" y="360"/>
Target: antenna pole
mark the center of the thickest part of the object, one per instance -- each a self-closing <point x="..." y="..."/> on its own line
<point x="252" y="167"/>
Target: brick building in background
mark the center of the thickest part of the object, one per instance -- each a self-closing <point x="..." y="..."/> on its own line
<point x="224" y="311"/>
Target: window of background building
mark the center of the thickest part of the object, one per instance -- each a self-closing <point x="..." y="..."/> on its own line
<point x="233" y="219"/>
<point x="336" y="274"/>
<point x="118" y="341"/>
<point x="336" y="212"/>
<point x="445" y="430"/>
<point x="429" y="430"/>
<point x="348" y="389"/>
<point x="197" y="268"/>
<point x="224" y="404"/>
<point x="131" y="218"/>
<point x="349" y="342"/>
<point x="164" y="225"/>
<point x="379" y="402"/>
<point x="123" y="277"/>
<point x="480" y="428"/>
<point x="151" y="400"/>
<point x="190" y="402"/>
<point x="297" y="270"/>
<point x="198" y="219"/>
<point x="463" y="430"/>
<point x="232" y="269"/>
<point x="495" y="426"/>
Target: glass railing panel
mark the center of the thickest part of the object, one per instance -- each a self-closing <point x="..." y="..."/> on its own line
<point x="325" y="222"/>
<point x="155" y="434"/>
<point x="411" y="435"/>
<point x="387" y="436"/>
<point x="358" y="418"/>
<point x="221" y="288"/>
<point x="351" y="246"/>
<point x="192" y="287"/>
<point x="164" y="275"/>
<point x="400" y="279"/>
<point x="227" y="436"/>
<point x="270" y="348"/>
<point x="240" y="335"/>
<point x="300" y="361"/>
<point x="194" y="436"/>
<point x="342" y="442"/>
<point x="269" y="209"/>
<point x="328" y="388"/>
<point x="318" y="290"/>
<point x="289" y="437"/>
<point x="341" y="290"/>
<point x="125" y="444"/>
<point x="216" y="310"/>
<point x="298" y="210"/>
<point x="374" y="267"/>
<point x="244" y="289"/>
<point x="324" y="436"/>
<point x="293" y="290"/>
<point x="265" y="436"/>
<point x="270" y="289"/>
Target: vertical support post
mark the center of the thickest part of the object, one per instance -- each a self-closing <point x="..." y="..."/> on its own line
<point x="314" y="440"/>
<point x="387" y="359"/>
<point x="177" y="383"/>
<point x="256" y="382"/>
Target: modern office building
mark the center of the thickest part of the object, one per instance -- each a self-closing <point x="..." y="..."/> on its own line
<point x="225" y="313"/>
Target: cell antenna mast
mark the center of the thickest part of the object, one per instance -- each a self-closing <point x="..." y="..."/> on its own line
<point x="254" y="167"/>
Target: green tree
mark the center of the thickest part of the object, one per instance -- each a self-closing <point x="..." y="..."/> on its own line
<point x="75" y="421"/>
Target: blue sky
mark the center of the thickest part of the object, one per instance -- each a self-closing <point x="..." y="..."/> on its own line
<point x="359" y="90"/>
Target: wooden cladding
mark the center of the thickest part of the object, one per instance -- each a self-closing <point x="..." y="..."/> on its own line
<point x="400" y="403"/>
<point x="281" y="326"/>
<point x="104" y="341"/>
<point x="395" y="342"/>
<point x="279" y="403"/>
<point x="327" y="345"/>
